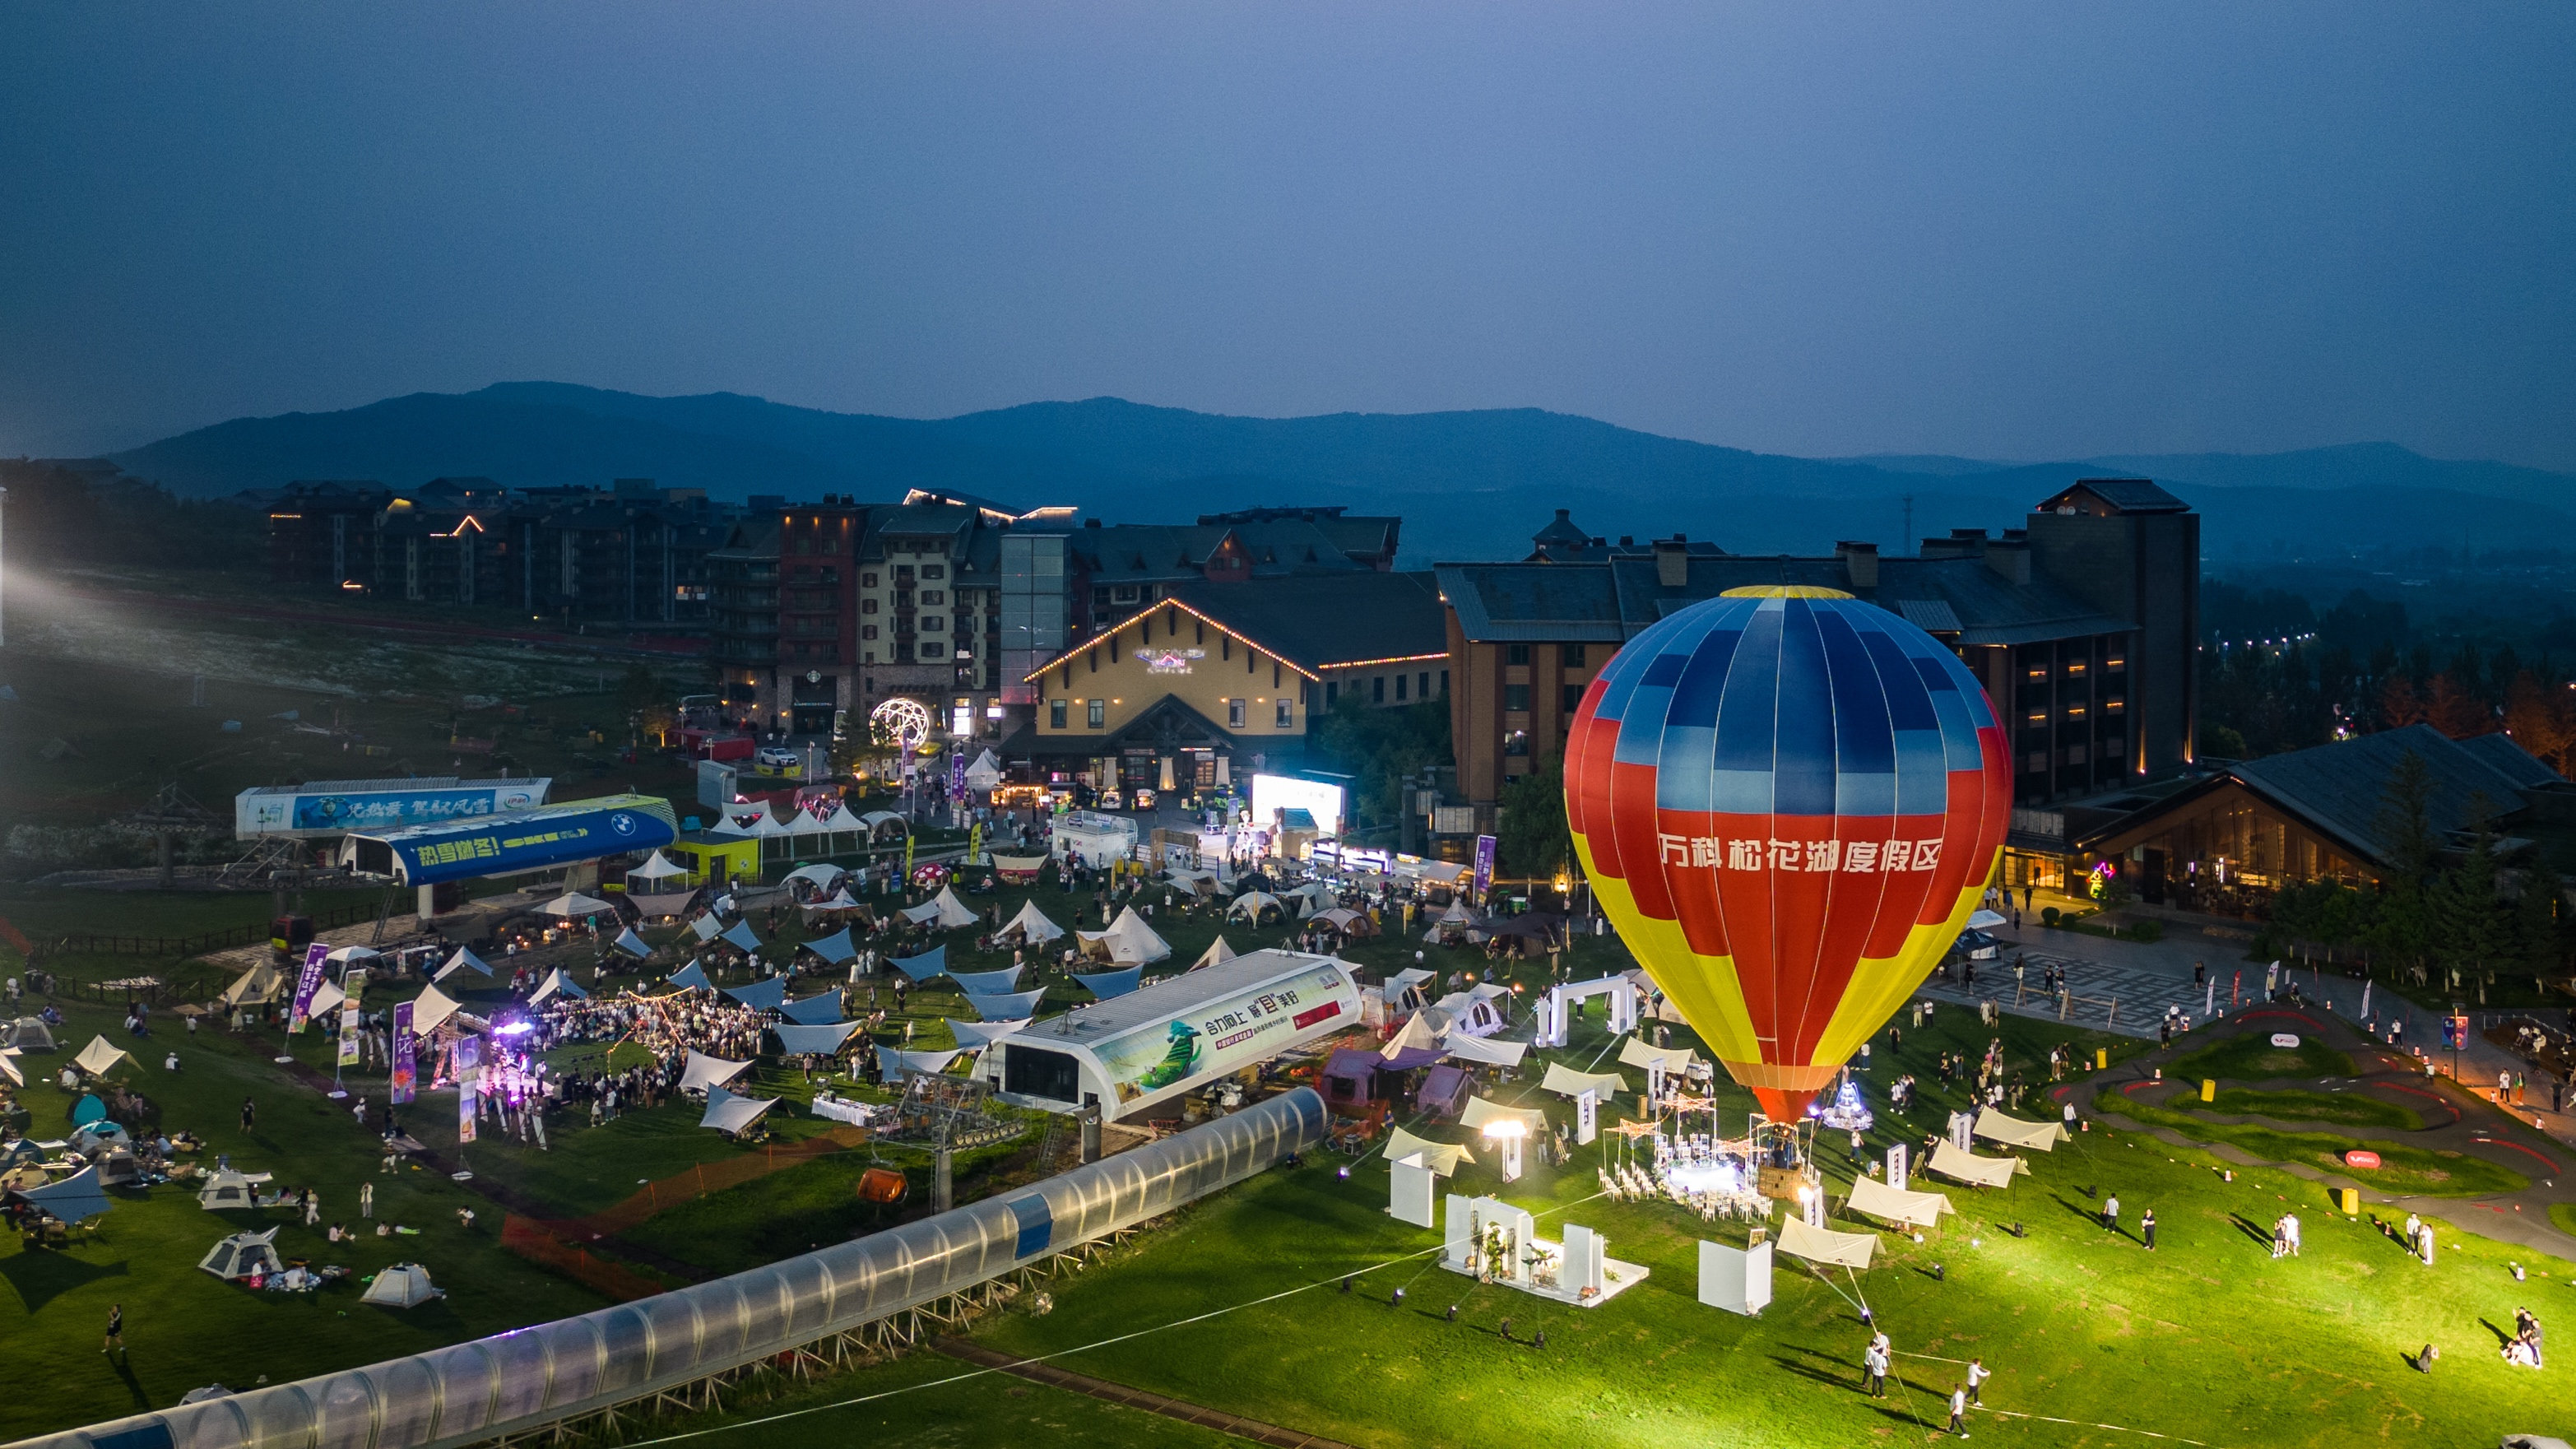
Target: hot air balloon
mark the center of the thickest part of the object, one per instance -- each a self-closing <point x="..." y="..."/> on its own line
<point x="1788" y="801"/>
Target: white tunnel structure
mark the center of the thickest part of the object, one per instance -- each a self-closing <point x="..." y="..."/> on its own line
<point x="526" y="1378"/>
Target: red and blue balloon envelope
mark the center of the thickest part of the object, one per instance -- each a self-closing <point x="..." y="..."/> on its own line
<point x="1788" y="801"/>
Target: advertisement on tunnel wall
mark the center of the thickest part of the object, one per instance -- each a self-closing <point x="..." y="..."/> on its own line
<point x="1231" y="1032"/>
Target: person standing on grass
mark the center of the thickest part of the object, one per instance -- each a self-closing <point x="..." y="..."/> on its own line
<point x="2111" y="1212"/>
<point x="1874" y="1370"/>
<point x="1978" y="1373"/>
<point x="1959" y="1411"/>
<point x="250" y="1114"/>
<point x="2147" y="1229"/>
<point x="115" y="1329"/>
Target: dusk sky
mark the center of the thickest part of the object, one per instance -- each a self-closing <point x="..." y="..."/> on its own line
<point x="2012" y="231"/>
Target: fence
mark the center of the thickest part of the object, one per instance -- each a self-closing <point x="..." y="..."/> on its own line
<point x="182" y="947"/>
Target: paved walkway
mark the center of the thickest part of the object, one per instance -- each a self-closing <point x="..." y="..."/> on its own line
<point x="2474" y="1126"/>
<point x="1053" y="1377"/>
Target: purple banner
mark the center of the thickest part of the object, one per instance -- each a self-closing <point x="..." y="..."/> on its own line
<point x="406" y="1077"/>
<point x="469" y="1077"/>
<point x="1484" y="865"/>
<point x="957" y="775"/>
<point x="306" y="984"/>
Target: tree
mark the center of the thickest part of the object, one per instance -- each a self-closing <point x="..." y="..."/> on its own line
<point x="1532" y="837"/>
<point x="2406" y="822"/>
<point x="2542" y="719"/>
<point x="1382" y="749"/>
<point x="2470" y="928"/>
<point x="2540" y="921"/>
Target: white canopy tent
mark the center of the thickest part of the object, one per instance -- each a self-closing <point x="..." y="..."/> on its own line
<point x="1565" y="1081"/>
<point x="1218" y="951"/>
<point x="899" y="1064"/>
<point x="730" y="1114"/>
<point x="1994" y="1126"/>
<point x="1950" y="1162"/>
<point x="704" y="1072"/>
<point x="463" y="960"/>
<point x="327" y="998"/>
<point x="555" y="984"/>
<point x="1481" y="1112"/>
<point x="404" y="1285"/>
<point x="431" y="1009"/>
<point x="1129" y="940"/>
<point x="1465" y="1048"/>
<point x="1251" y="904"/>
<point x="573" y="903"/>
<point x="656" y="867"/>
<point x="803" y="823"/>
<point x="1824" y="1245"/>
<point x="1032" y="924"/>
<point x="985" y="773"/>
<point x="1897" y="1205"/>
<point x="1441" y="1157"/>
<point x="824" y="877"/>
<point x="1638" y="1053"/>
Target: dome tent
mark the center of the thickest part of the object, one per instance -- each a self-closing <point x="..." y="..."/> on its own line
<point x="242" y="1255"/>
<point x="404" y="1285"/>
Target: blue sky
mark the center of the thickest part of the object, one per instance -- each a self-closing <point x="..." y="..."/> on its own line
<point x="2003" y="230"/>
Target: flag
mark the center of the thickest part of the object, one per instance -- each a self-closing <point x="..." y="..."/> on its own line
<point x="406" y="1073"/>
<point x="469" y="1074"/>
<point x="306" y="983"/>
<point x="1484" y="865"/>
<point x="354" y="983"/>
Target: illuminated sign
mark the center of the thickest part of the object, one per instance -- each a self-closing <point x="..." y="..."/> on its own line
<point x="1273" y="793"/>
<point x="1169" y="661"/>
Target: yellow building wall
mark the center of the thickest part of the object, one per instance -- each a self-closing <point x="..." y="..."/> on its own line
<point x="1172" y="652"/>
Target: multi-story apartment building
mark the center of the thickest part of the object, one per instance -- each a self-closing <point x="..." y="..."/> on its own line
<point x="2082" y="623"/>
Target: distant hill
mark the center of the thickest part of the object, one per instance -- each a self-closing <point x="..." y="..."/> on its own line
<point x="1470" y="484"/>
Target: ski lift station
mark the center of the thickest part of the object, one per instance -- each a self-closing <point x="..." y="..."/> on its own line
<point x="1135" y="1053"/>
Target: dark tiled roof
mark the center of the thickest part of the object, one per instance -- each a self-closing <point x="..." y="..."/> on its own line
<point x="2342" y="788"/>
<point x="2500" y="754"/>
<point x="1319" y="621"/>
<point x="2129" y="495"/>
<point x="1611" y="600"/>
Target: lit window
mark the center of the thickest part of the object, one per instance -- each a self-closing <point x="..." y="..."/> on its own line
<point x="1234" y="714"/>
<point x="1099" y="712"/>
<point x="1055" y="714"/>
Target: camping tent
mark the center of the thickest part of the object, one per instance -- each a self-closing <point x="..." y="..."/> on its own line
<point x="632" y="944"/>
<point x="430" y="1010"/>
<point x="1996" y="1127"/>
<point x="1949" y="1161"/>
<point x="1217" y="952"/>
<point x="1129" y="941"/>
<point x="973" y="1035"/>
<point x="555" y="984"/>
<point x="740" y="935"/>
<point x="933" y="962"/>
<point x="1824" y="1245"/>
<point x="78" y="1196"/>
<point x="1251" y="904"/>
<point x="1106" y="984"/>
<point x="1565" y="1081"/>
<point x="1476" y="1011"/>
<point x="899" y="1064"/>
<point x="985" y="773"/>
<point x="986" y="983"/>
<point x="30" y="1035"/>
<point x="823" y="1008"/>
<point x="813" y="1040"/>
<point x="463" y="960"/>
<point x="1443" y="1092"/>
<point x="1465" y="1048"/>
<point x="258" y="986"/>
<point x="228" y="1189"/>
<point x="1006" y="1005"/>
<point x="824" y="878"/>
<point x="241" y="1256"/>
<point x="1417" y="1035"/>
<point x="404" y="1285"/>
<point x="731" y="1114"/>
<point x="835" y="949"/>
<point x="100" y="1055"/>
<point x="767" y="995"/>
<point x="1897" y="1205"/>
<point x="1440" y="1157"/>
<point x="691" y="975"/>
<point x="116" y="1167"/>
<point x="9" y="1066"/>
<point x="89" y="1110"/>
<point x="1347" y="921"/>
<point x="1034" y="928"/>
<point x="704" y="1072"/>
<point x="951" y="912"/>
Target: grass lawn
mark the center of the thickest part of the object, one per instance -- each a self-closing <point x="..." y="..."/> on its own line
<point x="2402" y="1169"/>
<point x="184" y="1328"/>
<point x="925" y="1401"/>
<point x="2078" y="1323"/>
<point x="2251" y="1057"/>
<point x="2350" y="1109"/>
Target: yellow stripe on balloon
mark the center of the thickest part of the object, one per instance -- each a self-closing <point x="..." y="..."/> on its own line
<point x="1706" y="991"/>
<point x="1880" y="986"/>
